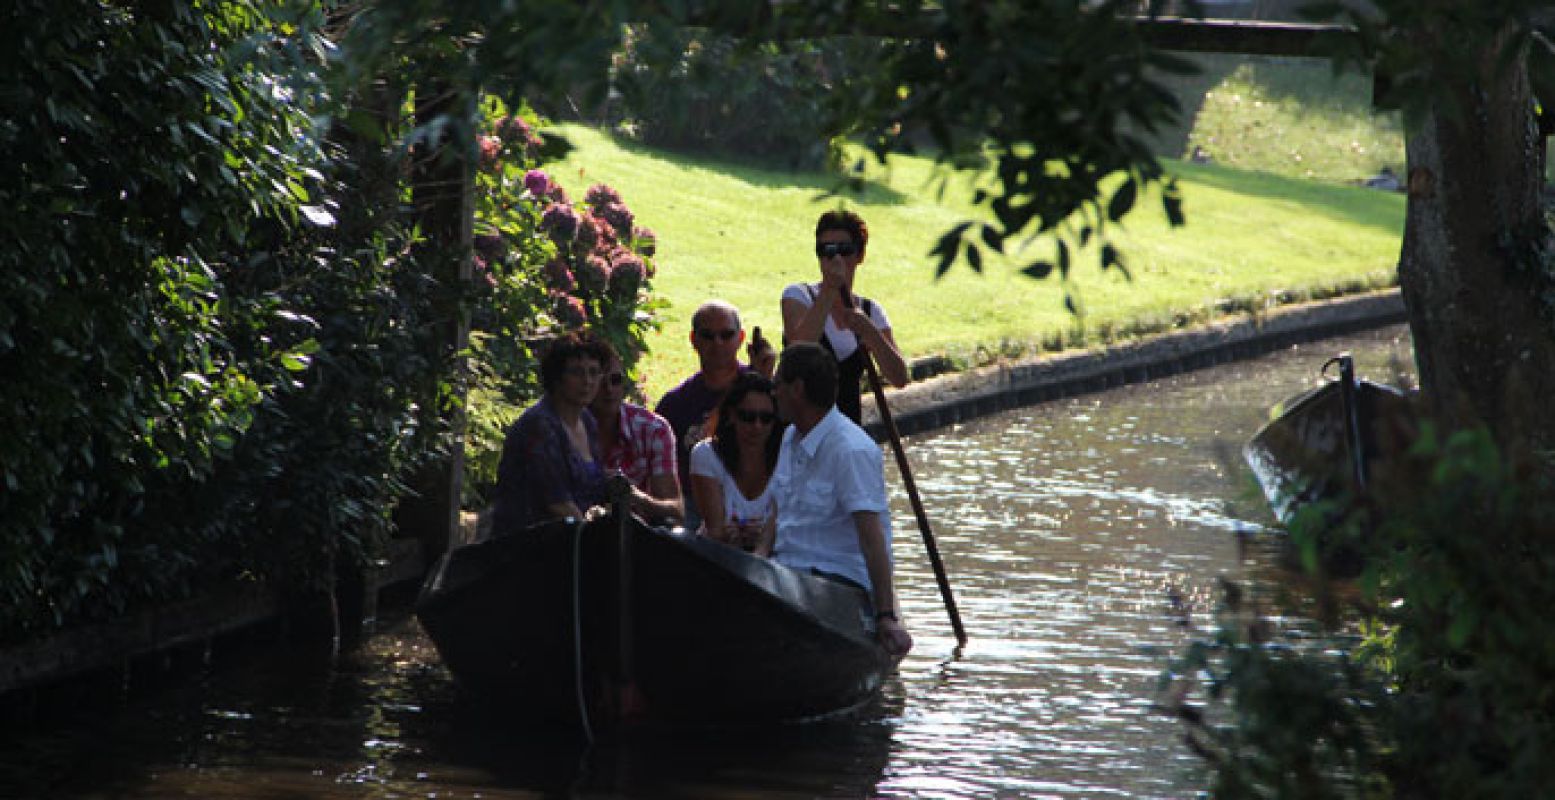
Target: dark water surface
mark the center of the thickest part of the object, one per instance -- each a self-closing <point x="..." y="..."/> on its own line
<point x="1064" y="527"/>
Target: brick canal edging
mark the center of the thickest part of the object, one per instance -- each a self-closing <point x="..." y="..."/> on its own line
<point x="948" y="399"/>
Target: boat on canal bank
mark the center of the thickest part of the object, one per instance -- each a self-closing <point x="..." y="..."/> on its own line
<point x="612" y="623"/>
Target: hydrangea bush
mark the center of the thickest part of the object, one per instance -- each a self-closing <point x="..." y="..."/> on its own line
<point x="545" y="264"/>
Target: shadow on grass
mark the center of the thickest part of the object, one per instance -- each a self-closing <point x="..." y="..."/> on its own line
<point x="1349" y="204"/>
<point x="761" y="176"/>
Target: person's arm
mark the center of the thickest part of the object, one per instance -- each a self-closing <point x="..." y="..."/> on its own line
<point x="661" y="500"/>
<point x="709" y="495"/>
<point x="767" y="538"/>
<point x="882" y="345"/>
<point x="802" y="323"/>
<point x="877" y="559"/>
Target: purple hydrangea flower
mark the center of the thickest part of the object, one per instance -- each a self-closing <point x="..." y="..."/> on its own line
<point x="537" y="182"/>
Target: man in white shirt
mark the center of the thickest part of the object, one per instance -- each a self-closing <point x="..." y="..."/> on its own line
<point x="830" y="490"/>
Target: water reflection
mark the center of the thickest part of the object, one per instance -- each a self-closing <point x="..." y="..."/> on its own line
<point x="1065" y="527"/>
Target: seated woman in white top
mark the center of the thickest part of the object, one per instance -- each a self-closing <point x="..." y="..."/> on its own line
<point x="731" y="470"/>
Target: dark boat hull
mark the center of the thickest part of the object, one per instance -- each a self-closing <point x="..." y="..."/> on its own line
<point x="1308" y="452"/>
<point x="546" y="624"/>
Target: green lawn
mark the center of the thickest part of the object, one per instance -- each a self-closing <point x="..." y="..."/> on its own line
<point x="742" y="233"/>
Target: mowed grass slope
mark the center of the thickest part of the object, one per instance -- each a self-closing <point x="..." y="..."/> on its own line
<point x="742" y="233"/>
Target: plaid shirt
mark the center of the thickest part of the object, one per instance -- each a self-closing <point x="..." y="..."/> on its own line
<point x="645" y="447"/>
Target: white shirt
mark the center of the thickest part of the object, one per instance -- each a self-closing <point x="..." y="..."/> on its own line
<point x="820" y="481"/>
<point x="738" y="509"/>
<point x="843" y="341"/>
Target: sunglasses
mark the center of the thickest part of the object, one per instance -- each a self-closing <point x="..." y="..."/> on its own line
<point x="751" y="417"/>
<point x="615" y="378"/>
<point x="707" y="335"/>
<point x="825" y="250"/>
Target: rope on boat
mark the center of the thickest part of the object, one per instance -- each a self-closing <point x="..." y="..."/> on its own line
<point x="577" y="631"/>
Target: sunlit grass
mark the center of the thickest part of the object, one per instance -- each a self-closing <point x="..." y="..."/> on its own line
<point x="742" y="234"/>
<point x="1295" y="117"/>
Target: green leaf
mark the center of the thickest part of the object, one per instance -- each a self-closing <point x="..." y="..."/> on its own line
<point x="1110" y="257"/>
<point x="1171" y="203"/>
<point x="993" y="238"/>
<point x="974" y="257"/>
<point x="1463" y="624"/>
<point x="1038" y="269"/>
<point x="1122" y="200"/>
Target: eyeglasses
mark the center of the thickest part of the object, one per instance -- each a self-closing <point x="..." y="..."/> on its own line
<point x="751" y="417"/>
<point x="707" y="334"/>
<point x="615" y="378"/>
<point x="588" y="373"/>
<point x="825" y="250"/>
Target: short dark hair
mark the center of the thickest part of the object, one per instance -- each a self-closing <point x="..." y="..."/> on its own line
<point x="846" y="221"/>
<point x="566" y="348"/>
<point x="811" y="363"/>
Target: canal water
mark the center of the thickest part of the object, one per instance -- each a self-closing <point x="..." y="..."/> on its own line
<point x="1066" y="528"/>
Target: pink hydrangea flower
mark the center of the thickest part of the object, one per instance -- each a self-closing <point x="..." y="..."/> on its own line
<point x="518" y="132"/>
<point x="646" y="241"/>
<point x="596" y="234"/>
<point x="626" y="272"/>
<point x="619" y="217"/>
<point x="558" y="277"/>
<point x="594" y="273"/>
<point x="602" y="194"/>
<point x="570" y="311"/>
<point x="561" y="221"/>
<point x="490" y="152"/>
<point x="483" y="272"/>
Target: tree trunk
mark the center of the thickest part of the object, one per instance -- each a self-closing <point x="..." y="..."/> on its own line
<point x="443" y="193"/>
<point x="1472" y="268"/>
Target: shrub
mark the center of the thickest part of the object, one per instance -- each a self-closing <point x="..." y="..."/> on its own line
<point x="767" y="105"/>
<point x="1433" y="676"/>
<point x="206" y="380"/>
<point x="554" y="265"/>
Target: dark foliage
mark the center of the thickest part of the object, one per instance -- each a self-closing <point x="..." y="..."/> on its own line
<point x="1430" y="674"/>
<point x="202" y="380"/>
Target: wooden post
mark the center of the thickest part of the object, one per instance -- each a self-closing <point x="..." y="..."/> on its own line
<point x="442" y="189"/>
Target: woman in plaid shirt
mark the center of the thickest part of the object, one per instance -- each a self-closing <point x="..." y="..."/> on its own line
<point x="640" y="445"/>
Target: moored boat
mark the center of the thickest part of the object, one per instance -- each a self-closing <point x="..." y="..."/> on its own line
<point x="1330" y="441"/>
<point x="606" y="623"/>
